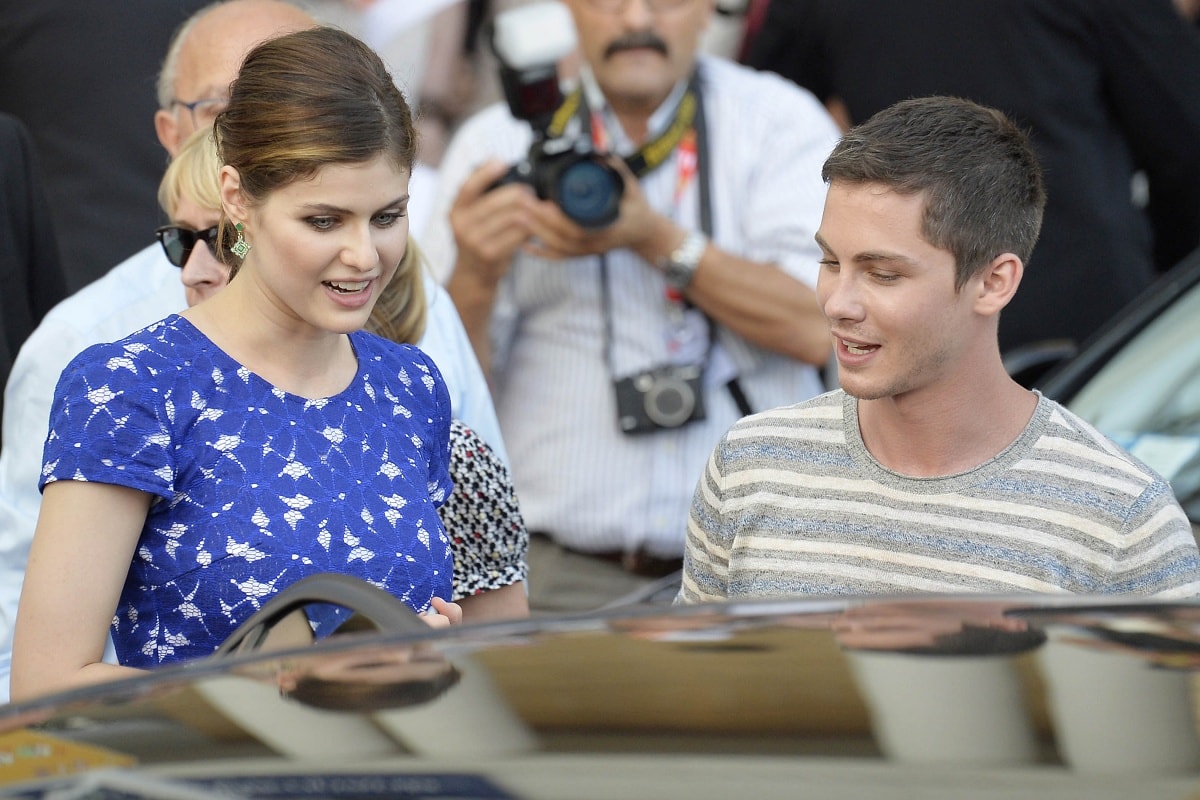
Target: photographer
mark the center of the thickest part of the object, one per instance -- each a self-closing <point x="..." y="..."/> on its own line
<point x="619" y="353"/>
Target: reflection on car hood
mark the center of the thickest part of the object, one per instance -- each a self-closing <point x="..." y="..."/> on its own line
<point x="938" y="696"/>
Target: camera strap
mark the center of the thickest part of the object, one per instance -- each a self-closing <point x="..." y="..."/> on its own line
<point x="651" y="155"/>
<point x="689" y="117"/>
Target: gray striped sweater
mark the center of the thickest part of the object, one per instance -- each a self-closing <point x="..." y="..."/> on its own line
<point x="792" y="503"/>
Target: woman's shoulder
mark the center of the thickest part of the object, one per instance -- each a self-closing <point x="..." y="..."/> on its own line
<point x="373" y="348"/>
<point x="149" y="350"/>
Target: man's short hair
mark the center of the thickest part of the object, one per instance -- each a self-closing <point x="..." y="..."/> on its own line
<point x="980" y="176"/>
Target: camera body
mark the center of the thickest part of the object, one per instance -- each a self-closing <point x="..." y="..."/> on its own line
<point x="528" y="42"/>
<point x="585" y="186"/>
<point x="660" y="398"/>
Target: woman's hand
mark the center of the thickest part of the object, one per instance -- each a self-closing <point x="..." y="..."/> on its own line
<point x="442" y="614"/>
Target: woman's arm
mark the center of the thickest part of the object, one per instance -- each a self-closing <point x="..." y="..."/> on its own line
<point x="82" y="548"/>
<point x="507" y="602"/>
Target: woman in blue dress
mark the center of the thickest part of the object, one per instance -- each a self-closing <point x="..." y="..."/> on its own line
<point x="199" y="466"/>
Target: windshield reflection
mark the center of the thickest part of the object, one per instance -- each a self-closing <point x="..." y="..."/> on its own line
<point x="1147" y="398"/>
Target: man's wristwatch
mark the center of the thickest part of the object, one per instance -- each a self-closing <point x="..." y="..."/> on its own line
<point x="680" y="266"/>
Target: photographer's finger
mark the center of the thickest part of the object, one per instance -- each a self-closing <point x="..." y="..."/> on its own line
<point x="492" y="242"/>
<point x="483" y="179"/>
<point x="559" y="233"/>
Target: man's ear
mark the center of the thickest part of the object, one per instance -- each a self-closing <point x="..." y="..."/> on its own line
<point x="166" y="125"/>
<point x="233" y="201"/>
<point x="997" y="283"/>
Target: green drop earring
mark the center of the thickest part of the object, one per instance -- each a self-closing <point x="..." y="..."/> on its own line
<point x="241" y="247"/>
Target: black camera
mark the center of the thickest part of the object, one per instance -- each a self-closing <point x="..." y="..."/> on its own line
<point x="528" y="41"/>
<point x="579" y="181"/>
<point x="661" y="398"/>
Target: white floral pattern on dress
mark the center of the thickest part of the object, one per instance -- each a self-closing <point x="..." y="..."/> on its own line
<point x="255" y="488"/>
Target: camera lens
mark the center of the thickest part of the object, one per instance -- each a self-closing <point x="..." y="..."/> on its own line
<point x="669" y="402"/>
<point x="589" y="192"/>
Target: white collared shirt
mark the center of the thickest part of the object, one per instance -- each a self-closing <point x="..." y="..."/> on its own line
<point x="577" y="476"/>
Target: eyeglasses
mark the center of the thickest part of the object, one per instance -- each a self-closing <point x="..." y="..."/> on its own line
<point x="178" y="242"/>
<point x="613" y="6"/>
<point x="204" y="110"/>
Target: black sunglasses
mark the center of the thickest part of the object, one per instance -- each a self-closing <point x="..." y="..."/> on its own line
<point x="177" y="242"/>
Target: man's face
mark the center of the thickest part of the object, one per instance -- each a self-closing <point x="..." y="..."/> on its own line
<point x="637" y="53"/>
<point x="211" y="57"/>
<point x="898" y="325"/>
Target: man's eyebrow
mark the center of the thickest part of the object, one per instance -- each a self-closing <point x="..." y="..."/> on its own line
<point x="866" y="257"/>
<point x="870" y="256"/>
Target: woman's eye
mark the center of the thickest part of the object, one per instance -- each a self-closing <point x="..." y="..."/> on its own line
<point x="321" y="223"/>
<point x="388" y="218"/>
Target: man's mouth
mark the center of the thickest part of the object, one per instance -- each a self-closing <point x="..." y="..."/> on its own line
<point x="347" y="287"/>
<point x="859" y="349"/>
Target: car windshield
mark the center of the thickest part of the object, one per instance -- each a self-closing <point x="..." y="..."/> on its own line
<point x="1147" y="398"/>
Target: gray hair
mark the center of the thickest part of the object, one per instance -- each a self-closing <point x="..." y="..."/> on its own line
<point x="170" y="67"/>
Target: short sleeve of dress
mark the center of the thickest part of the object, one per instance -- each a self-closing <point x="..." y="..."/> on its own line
<point x="482" y="518"/>
<point x="108" y="424"/>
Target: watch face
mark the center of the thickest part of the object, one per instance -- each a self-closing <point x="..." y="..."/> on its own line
<point x="678" y="275"/>
<point x="681" y="265"/>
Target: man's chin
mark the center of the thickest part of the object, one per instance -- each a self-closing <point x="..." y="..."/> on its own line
<point x="862" y="390"/>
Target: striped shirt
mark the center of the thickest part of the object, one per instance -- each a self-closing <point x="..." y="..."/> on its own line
<point x="793" y="503"/>
<point x="578" y="476"/>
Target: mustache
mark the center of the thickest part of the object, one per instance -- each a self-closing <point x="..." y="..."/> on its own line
<point x="636" y="40"/>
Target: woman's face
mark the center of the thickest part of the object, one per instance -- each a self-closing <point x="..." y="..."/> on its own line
<point x="324" y="248"/>
<point x="203" y="274"/>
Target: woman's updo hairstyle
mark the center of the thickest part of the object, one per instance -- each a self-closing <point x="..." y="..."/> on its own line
<point x="308" y="99"/>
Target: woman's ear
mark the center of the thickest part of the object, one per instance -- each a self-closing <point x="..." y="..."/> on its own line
<point x="998" y="283"/>
<point x="233" y="201"/>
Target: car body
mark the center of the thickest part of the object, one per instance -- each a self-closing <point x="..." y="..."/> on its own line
<point x="1054" y="697"/>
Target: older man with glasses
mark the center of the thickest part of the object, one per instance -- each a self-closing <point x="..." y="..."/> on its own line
<point x="202" y="62"/>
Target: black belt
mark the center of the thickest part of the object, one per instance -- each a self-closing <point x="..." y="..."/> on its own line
<point x="638" y="562"/>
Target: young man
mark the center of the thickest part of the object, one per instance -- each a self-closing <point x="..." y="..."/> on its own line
<point x="931" y="470"/>
<point x="573" y="323"/>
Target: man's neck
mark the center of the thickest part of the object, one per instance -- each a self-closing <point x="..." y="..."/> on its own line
<point x="931" y="434"/>
<point x="635" y="122"/>
<point x="640" y="118"/>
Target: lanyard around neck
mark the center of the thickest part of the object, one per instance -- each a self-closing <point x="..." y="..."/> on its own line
<point x="650" y="156"/>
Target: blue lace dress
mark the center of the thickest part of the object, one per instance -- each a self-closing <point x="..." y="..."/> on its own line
<point x="255" y="488"/>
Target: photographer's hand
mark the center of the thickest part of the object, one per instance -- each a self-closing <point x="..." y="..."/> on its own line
<point x="556" y="236"/>
<point x="489" y="226"/>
